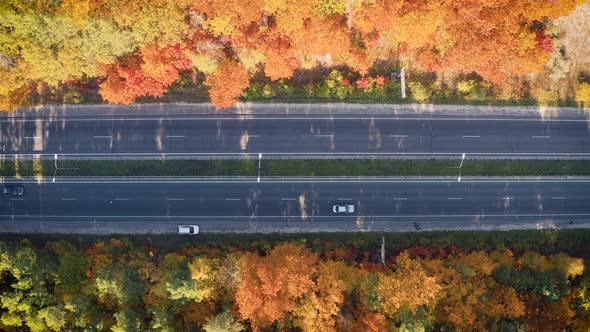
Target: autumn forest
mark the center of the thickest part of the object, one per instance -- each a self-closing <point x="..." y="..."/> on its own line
<point x="500" y="52"/>
<point x="131" y="49"/>
<point x="327" y="285"/>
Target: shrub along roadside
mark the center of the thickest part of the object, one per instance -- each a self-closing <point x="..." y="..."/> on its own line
<point x="296" y="168"/>
<point x="573" y="242"/>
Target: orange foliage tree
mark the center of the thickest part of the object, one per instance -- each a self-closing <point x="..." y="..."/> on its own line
<point x="227" y="83"/>
<point x="280" y="58"/>
<point x="271" y="284"/>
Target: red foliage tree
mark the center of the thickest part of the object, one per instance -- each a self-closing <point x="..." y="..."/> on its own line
<point x="147" y="75"/>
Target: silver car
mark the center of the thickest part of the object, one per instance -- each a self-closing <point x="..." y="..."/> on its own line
<point x="343" y="208"/>
<point x="188" y="229"/>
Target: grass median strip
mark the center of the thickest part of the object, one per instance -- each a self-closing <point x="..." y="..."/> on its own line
<point x="130" y="168"/>
<point x="425" y="167"/>
<point x="295" y="168"/>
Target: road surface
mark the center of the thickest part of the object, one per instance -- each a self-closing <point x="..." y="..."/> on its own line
<point x="296" y="136"/>
<point x="245" y="205"/>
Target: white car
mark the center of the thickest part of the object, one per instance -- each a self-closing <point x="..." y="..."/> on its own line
<point x="343" y="208"/>
<point x="188" y="229"/>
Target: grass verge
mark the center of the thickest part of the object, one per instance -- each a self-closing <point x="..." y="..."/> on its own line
<point x="295" y="168"/>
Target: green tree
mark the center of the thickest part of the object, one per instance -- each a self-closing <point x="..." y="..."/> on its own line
<point x="71" y="272"/>
<point x="471" y="90"/>
<point x="419" y="91"/>
<point x="194" y="281"/>
<point x="224" y="322"/>
<point x="121" y="285"/>
<point x="537" y="273"/>
<point x="581" y="304"/>
<point x="161" y="308"/>
<point x="27" y="302"/>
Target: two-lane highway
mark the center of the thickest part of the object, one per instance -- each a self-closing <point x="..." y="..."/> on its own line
<point x="219" y="205"/>
<point x="281" y="135"/>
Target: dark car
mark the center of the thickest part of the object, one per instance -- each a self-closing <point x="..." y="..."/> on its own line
<point x="13" y="189"/>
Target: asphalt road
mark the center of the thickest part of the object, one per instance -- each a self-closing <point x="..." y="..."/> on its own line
<point x="283" y="204"/>
<point x="308" y="136"/>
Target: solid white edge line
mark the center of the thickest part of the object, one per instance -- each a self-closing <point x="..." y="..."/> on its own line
<point x="149" y="154"/>
<point x="454" y="198"/>
<point x="121" y="199"/>
<point x="239" y="118"/>
<point x="540" y="136"/>
<point x="270" y="181"/>
<point x="69" y="199"/>
<point x="174" y="136"/>
<point x="175" y="199"/>
<point x="232" y="199"/>
<point x="397" y="136"/>
<point x="102" y="136"/>
<point x="288" y="199"/>
<point x="400" y="199"/>
<point x="471" y="136"/>
<point x="544" y="215"/>
<point x="558" y="197"/>
<point x="32" y="137"/>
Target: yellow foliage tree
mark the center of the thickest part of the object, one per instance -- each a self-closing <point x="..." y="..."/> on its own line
<point x="319" y="308"/>
<point x="203" y="270"/>
<point x="481" y="262"/>
<point x="13" y="90"/>
<point x="583" y="94"/>
<point x="408" y="287"/>
<point x="570" y="266"/>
